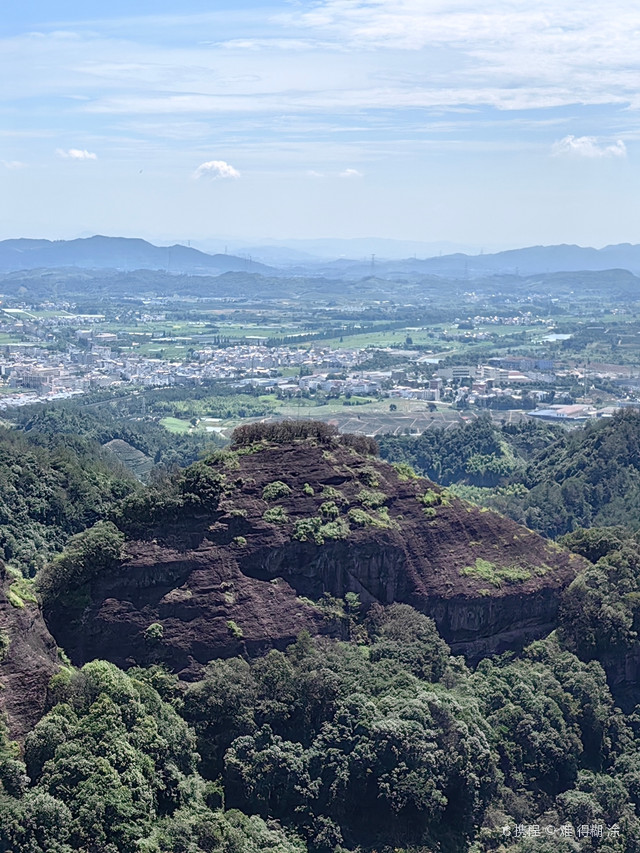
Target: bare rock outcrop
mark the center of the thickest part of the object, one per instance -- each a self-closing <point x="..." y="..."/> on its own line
<point x="28" y="659"/>
<point x="250" y="575"/>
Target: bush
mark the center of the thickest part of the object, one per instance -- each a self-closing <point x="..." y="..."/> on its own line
<point x="21" y="591"/>
<point x="359" y="517"/>
<point x="224" y="459"/>
<point x="369" y="476"/>
<point x="496" y="575"/>
<point x="202" y="486"/>
<point x="360" y="443"/>
<point x="338" y="529"/>
<point x="154" y="633"/>
<point x="283" y="432"/>
<point x="330" y="493"/>
<point x="317" y="530"/>
<point x="93" y="552"/>
<point x="329" y="509"/>
<point x="430" y="498"/>
<point x="306" y="529"/>
<point x="4" y="645"/>
<point x="141" y="513"/>
<point x="238" y="512"/>
<point x="405" y="471"/>
<point x="276" y="515"/>
<point x="234" y="629"/>
<point x="371" y="499"/>
<point x="275" y="490"/>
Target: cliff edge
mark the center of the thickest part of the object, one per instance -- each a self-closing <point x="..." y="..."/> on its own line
<point x="28" y="656"/>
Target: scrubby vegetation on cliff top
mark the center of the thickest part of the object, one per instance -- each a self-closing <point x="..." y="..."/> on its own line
<point x="286" y="432"/>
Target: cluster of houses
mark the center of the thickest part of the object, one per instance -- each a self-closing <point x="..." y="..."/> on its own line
<point x="31" y="371"/>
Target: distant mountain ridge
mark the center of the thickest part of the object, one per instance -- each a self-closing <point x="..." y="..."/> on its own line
<point x="533" y="260"/>
<point x="121" y="253"/>
<point x="127" y="254"/>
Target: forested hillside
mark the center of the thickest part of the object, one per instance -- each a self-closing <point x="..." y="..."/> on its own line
<point x="114" y="419"/>
<point x="550" y="479"/>
<point x="383" y="744"/>
<point x="52" y="486"/>
<point x="478" y="453"/>
<point x="369" y="737"/>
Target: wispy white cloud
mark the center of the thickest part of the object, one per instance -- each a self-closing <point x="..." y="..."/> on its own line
<point x="508" y="54"/>
<point x="216" y="170"/>
<point x="295" y="45"/>
<point x="76" y="154"/>
<point x="588" y="147"/>
<point x="13" y="165"/>
<point x="405" y="89"/>
<point x="414" y="24"/>
<point x="577" y="51"/>
<point x="351" y="173"/>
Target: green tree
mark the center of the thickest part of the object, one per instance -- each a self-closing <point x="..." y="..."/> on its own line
<point x="94" y="552"/>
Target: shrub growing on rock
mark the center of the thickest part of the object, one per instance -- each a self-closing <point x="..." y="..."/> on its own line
<point x="275" y="490"/>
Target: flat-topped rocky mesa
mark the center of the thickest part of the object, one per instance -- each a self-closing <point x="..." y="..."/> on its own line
<point x="258" y="542"/>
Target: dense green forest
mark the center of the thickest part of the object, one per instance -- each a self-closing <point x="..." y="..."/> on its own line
<point x="551" y="479"/>
<point x="385" y="742"/>
<point x="129" y="417"/>
<point x="477" y="453"/>
<point x="52" y="486"/>
<point x="57" y="478"/>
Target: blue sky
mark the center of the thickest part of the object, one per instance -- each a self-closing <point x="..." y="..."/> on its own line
<point x="506" y="123"/>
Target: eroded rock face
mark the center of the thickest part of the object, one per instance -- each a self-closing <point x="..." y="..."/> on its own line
<point x="236" y="582"/>
<point x="27" y="664"/>
<point x="479" y="626"/>
<point x="207" y="607"/>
